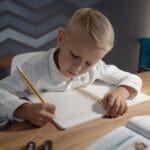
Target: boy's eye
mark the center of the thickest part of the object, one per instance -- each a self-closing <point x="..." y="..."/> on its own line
<point x="74" y="55"/>
<point x="88" y="64"/>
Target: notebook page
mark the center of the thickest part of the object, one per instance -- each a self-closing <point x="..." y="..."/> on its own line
<point x="100" y="89"/>
<point x="71" y="108"/>
<point x="140" y="124"/>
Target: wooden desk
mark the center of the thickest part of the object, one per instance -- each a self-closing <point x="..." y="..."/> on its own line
<point x="73" y="139"/>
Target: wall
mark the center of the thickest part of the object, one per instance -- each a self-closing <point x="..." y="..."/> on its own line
<point x="32" y="25"/>
<point x="131" y="21"/>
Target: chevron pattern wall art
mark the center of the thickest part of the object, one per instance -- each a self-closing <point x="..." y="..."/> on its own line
<point x="32" y="25"/>
<point x="28" y="25"/>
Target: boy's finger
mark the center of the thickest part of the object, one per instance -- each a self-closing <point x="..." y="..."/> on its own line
<point x="50" y="107"/>
<point x="126" y="108"/>
<point x="110" y="102"/>
<point x="120" y="110"/>
<point x="114" y="108"/>
<point x="46" y="121"/>
<point x="47" y="115"/>
<point x="43" y="121"/>
<point x="104" y="102"/>
<point x="110" y="106"/>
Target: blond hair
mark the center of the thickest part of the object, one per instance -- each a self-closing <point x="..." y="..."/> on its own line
<point x="95" y="23"/>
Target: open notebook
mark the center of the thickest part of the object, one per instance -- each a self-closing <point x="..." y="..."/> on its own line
<point x="78" y="106"/>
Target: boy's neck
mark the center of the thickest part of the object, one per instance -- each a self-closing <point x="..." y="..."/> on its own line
<point x="56" y="57"/>
<point x="56" y="54"/>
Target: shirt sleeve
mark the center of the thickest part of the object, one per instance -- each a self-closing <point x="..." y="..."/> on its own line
<point x="12" y="91"/>
<point x="113" y="75"/>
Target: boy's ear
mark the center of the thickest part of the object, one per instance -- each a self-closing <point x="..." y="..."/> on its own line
<point x="60" y="37"/>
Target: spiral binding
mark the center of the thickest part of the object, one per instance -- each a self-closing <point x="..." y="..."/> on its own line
<point x="89" y="95"/>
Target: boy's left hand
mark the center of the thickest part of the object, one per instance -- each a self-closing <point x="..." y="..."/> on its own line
<point x="115" y="102"/>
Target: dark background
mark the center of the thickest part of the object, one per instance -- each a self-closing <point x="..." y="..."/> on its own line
<point x="31" y="25"/>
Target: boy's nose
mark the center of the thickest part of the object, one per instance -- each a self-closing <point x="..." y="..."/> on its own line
<point x="77" y="67"/>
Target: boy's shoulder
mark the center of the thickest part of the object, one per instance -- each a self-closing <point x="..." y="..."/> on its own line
<point x="41" y="57"/>
<point x="39" y="62"/>
<point x="100" y="63"/>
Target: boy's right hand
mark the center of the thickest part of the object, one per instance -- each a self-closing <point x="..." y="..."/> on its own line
<point x="36" y="113"/>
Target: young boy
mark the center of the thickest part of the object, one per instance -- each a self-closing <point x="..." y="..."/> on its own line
<point x="76" y="61"/>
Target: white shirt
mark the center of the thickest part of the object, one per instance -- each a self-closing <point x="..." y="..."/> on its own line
<point x="42" y="70"/>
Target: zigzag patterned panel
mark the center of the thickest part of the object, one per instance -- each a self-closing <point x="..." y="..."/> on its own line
<point x="32" y="25"/>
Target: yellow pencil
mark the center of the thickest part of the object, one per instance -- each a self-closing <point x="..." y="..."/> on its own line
<point x="31" y="85"/>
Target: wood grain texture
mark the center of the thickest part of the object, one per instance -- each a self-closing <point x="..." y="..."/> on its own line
<point x="77" y="138"/>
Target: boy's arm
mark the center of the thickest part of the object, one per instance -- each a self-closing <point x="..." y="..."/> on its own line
<point x="115" y="102"/>
<point x="18" y="108"/>
<point x="127" y="85"/>
<point x="130" y="90"/>
<point x="115" y="76"/>
<point x="12" y="92"/>
<point x="13" y="89"/>
<point x="9" y="99"/>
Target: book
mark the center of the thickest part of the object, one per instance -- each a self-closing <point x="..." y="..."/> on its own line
<point x="81" y="105"/>
<point x="134" y="136"/>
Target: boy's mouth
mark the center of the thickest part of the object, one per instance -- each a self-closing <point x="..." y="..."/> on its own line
<point x="71" y="73"/>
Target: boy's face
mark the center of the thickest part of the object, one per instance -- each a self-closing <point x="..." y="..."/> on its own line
<point x="78" y="53"/>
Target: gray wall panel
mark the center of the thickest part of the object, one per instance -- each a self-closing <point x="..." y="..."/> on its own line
<point x="31" y="25"/>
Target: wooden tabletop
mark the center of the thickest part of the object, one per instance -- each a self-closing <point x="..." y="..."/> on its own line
<point x="77" y="138"/>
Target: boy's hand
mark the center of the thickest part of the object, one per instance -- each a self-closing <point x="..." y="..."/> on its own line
<point x="115" y="102"/>
<point x="36" y="113"/>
